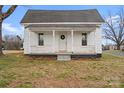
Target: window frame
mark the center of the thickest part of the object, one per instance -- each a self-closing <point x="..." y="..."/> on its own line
<point x="40" y="43"/>
<point x="84" y="42"/>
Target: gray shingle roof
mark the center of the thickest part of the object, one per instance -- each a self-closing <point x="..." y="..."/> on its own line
<point x="41" y="16"/>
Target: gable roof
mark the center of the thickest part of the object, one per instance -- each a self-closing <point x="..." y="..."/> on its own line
<point x="46" y="16"/>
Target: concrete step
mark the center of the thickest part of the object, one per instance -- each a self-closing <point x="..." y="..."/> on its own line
<point x="63" y="57"/>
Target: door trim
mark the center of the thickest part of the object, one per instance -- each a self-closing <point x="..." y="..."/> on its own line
<point x="65" y="34"/>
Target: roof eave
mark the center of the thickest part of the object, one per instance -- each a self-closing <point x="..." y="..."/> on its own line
<point x="97" y="23"/>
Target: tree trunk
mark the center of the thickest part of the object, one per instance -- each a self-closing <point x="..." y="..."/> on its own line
<point x="1" y="53"/>
<point x="118" y="47"/>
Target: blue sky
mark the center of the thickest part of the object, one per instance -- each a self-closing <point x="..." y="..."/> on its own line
<point x="12" y="24"/>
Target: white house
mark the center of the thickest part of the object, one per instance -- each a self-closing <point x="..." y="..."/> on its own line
<point x="65" y="34"/>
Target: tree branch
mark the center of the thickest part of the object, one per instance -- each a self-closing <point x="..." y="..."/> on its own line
<point x="122" y="42"/>
<point x="9" y="12"/>
<point x="108" y="31"/>
<point x="121" y="25"/>
<point x="1" y="6"/>
<point x="1" y="17"/>
<point x="112" y="30"/>
<point x="110" y="38"/>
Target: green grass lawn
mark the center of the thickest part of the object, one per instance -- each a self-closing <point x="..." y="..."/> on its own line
<point x="115" y="52"/>
<point x="17" y="70"/>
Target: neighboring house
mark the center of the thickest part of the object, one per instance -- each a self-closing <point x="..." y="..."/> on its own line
<point x="122" y="47"/>
<point x="112" y="47"/>
<point x="63" y="33"/>
<point x="109" y="47"/>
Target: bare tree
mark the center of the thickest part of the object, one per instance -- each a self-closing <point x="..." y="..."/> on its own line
<point x="12" y="42"/>
<point x="114" y="29"/>
<point x="3" y="16"/>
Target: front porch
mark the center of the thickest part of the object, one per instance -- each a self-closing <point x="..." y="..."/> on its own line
<point x="53" y="44"/>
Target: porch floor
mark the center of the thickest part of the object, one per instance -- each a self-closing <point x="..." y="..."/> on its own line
<point x="63" y="53"/>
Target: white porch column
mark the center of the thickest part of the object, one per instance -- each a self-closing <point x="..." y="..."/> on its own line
<point x="53" y="40"/>
<point x="72" y="36"/>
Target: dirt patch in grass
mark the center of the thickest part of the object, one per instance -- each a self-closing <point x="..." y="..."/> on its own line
<point x="67" y="82"/>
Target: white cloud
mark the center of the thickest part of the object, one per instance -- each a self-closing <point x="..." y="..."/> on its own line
<point x="113" y="18"/>
<point x="9" y="29"/>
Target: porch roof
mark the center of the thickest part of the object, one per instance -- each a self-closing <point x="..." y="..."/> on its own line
<point x="63" y="25"/>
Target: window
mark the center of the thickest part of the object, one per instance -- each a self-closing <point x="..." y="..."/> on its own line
<point x="41" y="39"/>
<point x="84" y="39"/>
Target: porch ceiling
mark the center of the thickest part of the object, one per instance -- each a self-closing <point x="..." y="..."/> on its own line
<point x="35" y="29"/>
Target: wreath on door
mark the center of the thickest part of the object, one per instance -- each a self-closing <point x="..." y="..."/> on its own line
<point x="62" y="37"/>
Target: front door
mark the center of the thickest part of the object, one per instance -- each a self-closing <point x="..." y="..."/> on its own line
<point x="62" y="41"/>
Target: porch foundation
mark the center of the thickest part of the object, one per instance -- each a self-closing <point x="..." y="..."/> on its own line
<point x="63" y="57"/>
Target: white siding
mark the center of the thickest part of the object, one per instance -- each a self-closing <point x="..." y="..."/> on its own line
<point x="33" y="39"/>
<point x="90" y="38"/>
<point x="89" y="48"/>
<point x="98" y="40"/>
<point x="47" y="48"/>
<point x="26" y="41"/>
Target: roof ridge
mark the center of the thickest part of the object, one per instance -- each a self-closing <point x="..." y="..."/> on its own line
<point x="61" y="10"/>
